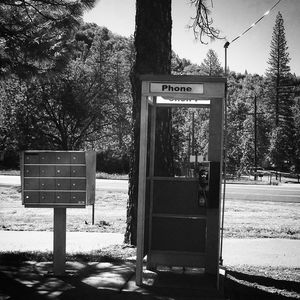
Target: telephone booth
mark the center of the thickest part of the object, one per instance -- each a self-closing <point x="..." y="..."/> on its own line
<point x="179" y="216"/>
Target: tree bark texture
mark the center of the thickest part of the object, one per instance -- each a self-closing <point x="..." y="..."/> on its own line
<point x="153" y="56"/>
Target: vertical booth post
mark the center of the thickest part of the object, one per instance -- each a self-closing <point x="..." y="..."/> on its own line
<point x="179" y="216"/>
<point x="142" y="189"/>
<point x="215" y="147"/>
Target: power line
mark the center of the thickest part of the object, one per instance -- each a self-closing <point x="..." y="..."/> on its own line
<point x="251" y="26"/>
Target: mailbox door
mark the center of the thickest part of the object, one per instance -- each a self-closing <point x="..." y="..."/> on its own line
<point x="78" y="171"/>
<point x="47" y="197"/>
<point x="62" y="184"/>
<point x="78" y="184"/>
<point x="62" y="197"/>
<point x="78" y="197"/>
<point x="31" y="171"/>
<point x="62" y="158"/>
<point x="62" y="171"/>
<point x="77" y="158"/>
<point x="47" y="158"/>
<point x="47" y="171"/>
<point x="31" y="197"/>
<point x="47" y="184"/>
<point x="31" y="183"/>
<point x="31" y="158"/>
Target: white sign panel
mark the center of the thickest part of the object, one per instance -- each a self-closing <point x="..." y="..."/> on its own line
<point x="161" y="100"/>
<point x="176" y="88"/>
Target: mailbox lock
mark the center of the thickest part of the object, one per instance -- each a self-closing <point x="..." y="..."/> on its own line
<point x="58" y="171"/>
<point x="58" y="184"/>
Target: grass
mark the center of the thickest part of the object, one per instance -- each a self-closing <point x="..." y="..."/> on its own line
<point x="10" y="172"/>
<point x="103" y="175"/>
<point x="246" y="219"/>
<point x="113" y="253"/>
<point x="243" y="219"/>
<point x="99" y="175"/>
<point x="110" y="214"/>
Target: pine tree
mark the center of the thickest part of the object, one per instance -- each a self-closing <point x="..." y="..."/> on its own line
<point x="211" y="65"/>
<point x="279" y="93"/>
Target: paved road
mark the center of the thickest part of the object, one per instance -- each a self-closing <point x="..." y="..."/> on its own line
<point x="281" y="193"/>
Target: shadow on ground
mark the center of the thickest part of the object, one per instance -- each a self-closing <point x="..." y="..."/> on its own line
<point x="239" y="285"/>
<point x="114" y="280"/>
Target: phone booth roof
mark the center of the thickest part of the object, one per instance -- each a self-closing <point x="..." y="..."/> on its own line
<point x="183" y="89"/>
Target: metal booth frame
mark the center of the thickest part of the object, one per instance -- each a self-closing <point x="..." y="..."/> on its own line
<point x="187" y="91"/>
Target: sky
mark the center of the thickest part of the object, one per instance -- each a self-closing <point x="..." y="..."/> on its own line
<point x="232" y="17"/>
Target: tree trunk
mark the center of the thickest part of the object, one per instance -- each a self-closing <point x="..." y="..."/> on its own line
<point x="153" y="56"/>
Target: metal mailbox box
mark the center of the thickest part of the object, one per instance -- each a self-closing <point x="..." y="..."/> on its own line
<point x="58" y="178"/>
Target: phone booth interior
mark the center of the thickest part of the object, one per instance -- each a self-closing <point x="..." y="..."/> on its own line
<point x="179" y="216"/>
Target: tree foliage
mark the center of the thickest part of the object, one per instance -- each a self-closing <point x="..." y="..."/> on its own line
<point x="34" y="34"/>
<point x="85" y="105"/>
<point x="211" y="65"/>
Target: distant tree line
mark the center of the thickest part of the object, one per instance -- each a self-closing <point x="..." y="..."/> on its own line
<point x="69" y="89"/>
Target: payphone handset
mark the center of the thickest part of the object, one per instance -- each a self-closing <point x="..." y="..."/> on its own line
<point x="203" y="188"/>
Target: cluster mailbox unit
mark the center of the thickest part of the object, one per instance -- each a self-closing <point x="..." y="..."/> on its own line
<point x="57" y="178"/>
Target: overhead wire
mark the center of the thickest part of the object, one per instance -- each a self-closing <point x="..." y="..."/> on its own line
<point x="252" y="25"/>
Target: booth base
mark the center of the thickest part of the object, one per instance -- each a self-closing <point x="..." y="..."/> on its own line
<point x="185" y="282"/>
<point x="173" y="258"/>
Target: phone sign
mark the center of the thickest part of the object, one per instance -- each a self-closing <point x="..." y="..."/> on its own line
<point x="176" y="88"/>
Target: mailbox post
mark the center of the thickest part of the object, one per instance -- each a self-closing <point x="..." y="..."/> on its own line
<point x="59" y="180"/>
<point x="174" y="227"/>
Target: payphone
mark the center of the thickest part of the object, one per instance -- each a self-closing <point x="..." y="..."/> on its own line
<point x="179" y="216"/>
<point x="203" y="174"/>
<point x="209" y="177"/>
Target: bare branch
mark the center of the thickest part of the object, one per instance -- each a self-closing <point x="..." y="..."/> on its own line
<point x="202" y="23"/>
